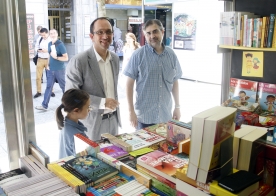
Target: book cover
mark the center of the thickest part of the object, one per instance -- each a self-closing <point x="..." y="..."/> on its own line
<point x="270" y="30"/>
<point x="242" y="94"/>
<point x="165" y="146"/>
<point x="176" y="133"/>
<point x="129" y="160"/>
<point x="159" y="129"/>
<point x="93" y="168"/>
<point x="162" y="164"/>
<point x="263" y="32"/>
<point x="266" y="98"/>
<point x="11" y="173"/>
<point x="114" y="151"/>
<point x="140" y="139"/>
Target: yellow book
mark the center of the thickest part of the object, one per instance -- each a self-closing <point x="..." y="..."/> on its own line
<point x="78" y="185"/>
<point x="263" y="32"/>
<point x="274" y="36"/>
<point x="215" y="189"/>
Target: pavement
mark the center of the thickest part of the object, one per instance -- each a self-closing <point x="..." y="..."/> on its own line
<point x="194" y="98"/>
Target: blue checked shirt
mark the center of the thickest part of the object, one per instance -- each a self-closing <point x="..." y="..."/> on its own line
<point x="155" y="75"/>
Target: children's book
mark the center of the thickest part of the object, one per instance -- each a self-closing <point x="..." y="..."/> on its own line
<point x="242" y="95"/>
<point x="177" y="133"/>
<point x="266" y="98"/>
<point x="162" y="164"/>
<point x="159" y="129"/>
<point x="140" y="139"/>
<point x="114" y="151"/>
<point x="92" y="168"/>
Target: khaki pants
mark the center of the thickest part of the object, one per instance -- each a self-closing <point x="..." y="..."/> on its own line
<point x="41" y="64"/>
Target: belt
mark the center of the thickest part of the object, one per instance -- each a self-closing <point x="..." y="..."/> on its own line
<point x="108" y="115"/>
<point x="42" y="58"/>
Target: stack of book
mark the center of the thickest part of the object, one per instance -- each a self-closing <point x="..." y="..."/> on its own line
<point x="31" y="166"/>
<point x="211" y="149"/>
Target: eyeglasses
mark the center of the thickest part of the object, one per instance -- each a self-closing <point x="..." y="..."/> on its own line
<point x="101" y="32"/>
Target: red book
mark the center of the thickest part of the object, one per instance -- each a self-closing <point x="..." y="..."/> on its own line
<point x="85" y="146"/>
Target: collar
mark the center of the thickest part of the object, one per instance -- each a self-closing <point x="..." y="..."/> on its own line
<point x="99" y="58"/>
<point x="153" y="50"/>
<point x="78" y="125"/>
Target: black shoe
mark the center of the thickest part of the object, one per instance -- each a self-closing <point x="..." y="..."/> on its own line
<point x="53" y="94"/>
<point x="37" y="95"/>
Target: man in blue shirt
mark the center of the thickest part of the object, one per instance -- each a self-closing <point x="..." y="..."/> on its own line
<point x="156" y="70"/>
<point x="56" y="69"/>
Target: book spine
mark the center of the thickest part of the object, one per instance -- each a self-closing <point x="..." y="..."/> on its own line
<point x="255" y="33"/>
<point x="270" y="31"/>
<point x="263" y="31"/>
<point x="274" y="36"/>
<point x="266" y="31"/>
<point x="109" y="160"/>
<point x="244" y="30"/>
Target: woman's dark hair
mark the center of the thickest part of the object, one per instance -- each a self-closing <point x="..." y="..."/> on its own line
<point x="71" y="99"/>
<point x="153" y="21"/>
<point x="100" y="18"/>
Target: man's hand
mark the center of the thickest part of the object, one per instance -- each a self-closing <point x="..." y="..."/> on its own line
<point x="133" y="119"/>
<point x="176" y="113"/>
<point x="111" y="104"/>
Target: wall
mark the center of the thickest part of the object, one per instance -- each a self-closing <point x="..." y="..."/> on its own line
<point x="40" y="10"/>
<point x="81" y="9"/>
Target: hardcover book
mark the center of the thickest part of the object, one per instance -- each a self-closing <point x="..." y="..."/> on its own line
<point x="114" y="151"/>
<point x="266" y="98"/>
<point x="93" y="168"/>
<point x="162" y="164"/>
<point x="242" y="95"/>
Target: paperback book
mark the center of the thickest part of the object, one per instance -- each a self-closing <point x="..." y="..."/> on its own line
<point x="114" y="151"/>
<point x="177" y="133"/>
<point x="242" y="95"/>
<point x="266" y="98"/>
<point x="140" y="139"/>
<point x="162" y="164"/>
<point x="93" y="168"/>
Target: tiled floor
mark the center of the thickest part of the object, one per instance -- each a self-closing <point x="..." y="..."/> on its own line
<point x="194" y="98"/>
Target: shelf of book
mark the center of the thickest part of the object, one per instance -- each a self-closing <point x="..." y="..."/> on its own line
<point x="247" y="48"/>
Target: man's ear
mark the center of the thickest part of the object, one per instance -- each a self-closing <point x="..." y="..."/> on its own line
<point x="91" y="35"/>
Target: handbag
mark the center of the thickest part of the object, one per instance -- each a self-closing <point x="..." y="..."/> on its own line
<point x="36" y="56"/>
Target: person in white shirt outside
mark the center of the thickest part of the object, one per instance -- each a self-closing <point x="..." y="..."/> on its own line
<point x="36" y="36"/>
<point x="43" y="59"/>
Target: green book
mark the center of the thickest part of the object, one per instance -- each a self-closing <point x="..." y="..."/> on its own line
<point x="93" y="168"/>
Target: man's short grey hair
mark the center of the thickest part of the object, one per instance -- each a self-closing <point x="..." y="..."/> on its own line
<point x="153" y="21"/>
<point x="38" y="28"/>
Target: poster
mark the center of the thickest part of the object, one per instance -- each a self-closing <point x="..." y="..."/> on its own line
<point x="30" y="33"/>
<point x="184" y="32"/>
<point x="252" y="64"/>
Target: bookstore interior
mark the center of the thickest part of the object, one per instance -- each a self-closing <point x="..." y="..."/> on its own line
<point x="227" y="150"/>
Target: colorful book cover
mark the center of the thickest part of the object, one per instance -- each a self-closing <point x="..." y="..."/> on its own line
<point x="242" y="94"/>
<point x="163" y="162"/>
<point x="92" y="168"/>
<point x="165" y="146"/>
<point x="252" y="64"/>
<point x="129" y="160"/>
<point x="159" y="129"/>
<point x="140" y="139"/>
<point x="266" y="98"/>
<point x="114" y="151"/>
<point x="177" y="133"/>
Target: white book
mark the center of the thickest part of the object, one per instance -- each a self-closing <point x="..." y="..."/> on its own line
<point x="12" y="180"/>
<point x="196" y="140"/>
<point x="217" y="130"/>
<point x="236" y="142"/>
<point x="188" y="189"/>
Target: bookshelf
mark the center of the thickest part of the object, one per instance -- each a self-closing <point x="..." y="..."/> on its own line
<point x="247" y="48"/>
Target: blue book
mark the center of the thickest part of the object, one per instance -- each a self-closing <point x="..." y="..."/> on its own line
<point x="270" y="30"/>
